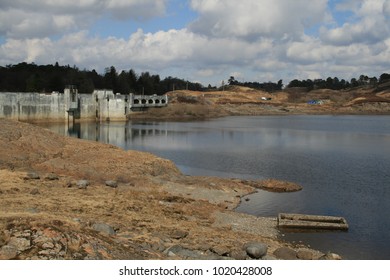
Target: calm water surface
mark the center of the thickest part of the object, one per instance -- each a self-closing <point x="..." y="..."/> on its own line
<point x="343" y="163"/>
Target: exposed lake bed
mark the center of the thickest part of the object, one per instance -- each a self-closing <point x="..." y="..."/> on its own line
<point x="67" y="198"/>
<point x="342" y="162"/>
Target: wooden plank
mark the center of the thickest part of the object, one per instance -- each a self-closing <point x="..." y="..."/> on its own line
<point x="299" y="221"/>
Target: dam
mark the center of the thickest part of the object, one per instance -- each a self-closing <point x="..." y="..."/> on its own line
<point x="72" y="106"/>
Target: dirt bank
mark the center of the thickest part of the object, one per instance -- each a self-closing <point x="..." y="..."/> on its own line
<point x="65" y="198"/>
<point x="234" y="100"/>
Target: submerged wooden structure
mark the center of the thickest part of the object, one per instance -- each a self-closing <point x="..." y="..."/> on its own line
<point x="311" y="222"/>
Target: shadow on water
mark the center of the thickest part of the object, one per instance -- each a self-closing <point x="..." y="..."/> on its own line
<point x="342" y="162"/>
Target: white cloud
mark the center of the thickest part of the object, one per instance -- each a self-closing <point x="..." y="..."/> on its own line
<point x="371" y="26"/>
<point x="136" y="9"/>
<point x="312" y="56"/>
<point x="147" y="7"/>
<point x="251" y="39"/>
<point x="24" y="50"/>
<point x="309" y="51"/>
<point x="205" y="73"/>
<point x="41" y="18"/>
<point x="19" y="24"/>
<point x="253" y="19"/>
<point x="143" y="51"/>
<point x="386" y="8"/>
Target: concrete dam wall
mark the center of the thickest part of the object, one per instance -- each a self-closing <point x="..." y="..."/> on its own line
<point x="101" y="105"/>
<point x="32" y="106"/>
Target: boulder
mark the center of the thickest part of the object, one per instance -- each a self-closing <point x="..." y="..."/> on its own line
<point x="51" y="177"/>
<point x="32" y="176"/>
<point x="82" y="184"/>
<point x="305" y="254"/>
<point x="256" y="250"/>
<point x="104" y="228"/>
<point x="35" y="191"/>
<point x="21" y="244"/>
<point x="221" y="250"/>
<point x="179" y="234"/>
<point x="238" y="254"/>
<point x="177" y="251"/>
<point x="112" y="184"/>
<point x="330" y="256"/>
<point x="285" y="253"/>
<point x="8" y="252"/>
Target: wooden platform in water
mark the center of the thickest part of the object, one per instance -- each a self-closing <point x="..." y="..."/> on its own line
<point x="311" y="222"/>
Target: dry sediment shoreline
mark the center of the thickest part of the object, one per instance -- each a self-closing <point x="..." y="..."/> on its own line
<point x="154" y="212"/>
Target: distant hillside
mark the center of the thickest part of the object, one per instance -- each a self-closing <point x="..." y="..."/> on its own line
<point x="239" y="100"/>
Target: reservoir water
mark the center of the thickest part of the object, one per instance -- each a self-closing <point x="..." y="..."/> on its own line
<point x="342" y="162"/>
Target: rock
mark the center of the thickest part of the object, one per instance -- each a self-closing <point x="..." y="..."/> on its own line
<point x="32" y="210"/>
<point x="203" y="247"/>
<point x="285" y="253"/>
<point x="158" y="247"/>
<point x="174" y="249"/>
<point x="21" y="244"/>
<point x="40" y="240"/>
<point x="112" y="184"/>
<point x="213" y="257"/>
<point x="171" y="254"/>
<point x="221" y="250"/>
<point x="188" y="254"/>
<point x="8" y="252"/>
<point x="51" y="177"/>
<point x="77" y="256"/>
<point x="47" y="252"/>
<point x="305" y="254"/>
<point x="330" y="256"/>
<point x="256" y="250"/>
<point x="238" y="254"/>
<point x="24" y="234"/>
<point x="104" y="228"/>
<point x="82" y="184"/>
<point x="268" y="258"/>
<point x="32" y="176"/>
<point x="179" y="251"/>
<point x="47" y="245"/>
<point x="35" y="191"/>
<point x="179" y="234"/>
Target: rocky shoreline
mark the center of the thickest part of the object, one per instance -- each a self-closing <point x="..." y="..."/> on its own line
<point x="65" y="198"/>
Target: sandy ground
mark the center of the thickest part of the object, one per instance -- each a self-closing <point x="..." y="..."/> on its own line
<point x="56" y="203"/>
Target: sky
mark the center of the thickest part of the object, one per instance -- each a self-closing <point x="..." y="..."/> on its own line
<point x="204" y="41"/>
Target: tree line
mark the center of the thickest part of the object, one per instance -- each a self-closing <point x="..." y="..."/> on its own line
<point x="268" y="86"/>
<point x="330" y="83"/>
<point x="29" y="77"/>
<point x="338" y="84"/>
